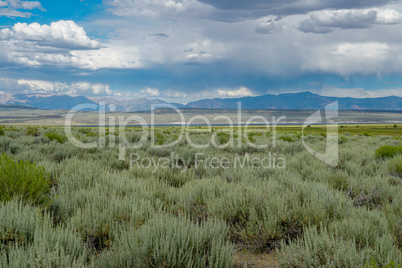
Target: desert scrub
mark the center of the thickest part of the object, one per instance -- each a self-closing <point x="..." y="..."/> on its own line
<point x="23" y="180"/>
<point x="328" y="249"/>
<point x="166" y="241"/>
<point x="395" y="166"/>
<point x="29" y="239"/>
<point x="17" y="223"/>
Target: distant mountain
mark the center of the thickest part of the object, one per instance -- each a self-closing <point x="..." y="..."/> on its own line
<point x="303" y="100"/>
<point x="42" y="101"/>
<point x="132" y="105"/>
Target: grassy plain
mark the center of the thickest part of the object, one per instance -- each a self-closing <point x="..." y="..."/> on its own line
<point x="291" y="210"/>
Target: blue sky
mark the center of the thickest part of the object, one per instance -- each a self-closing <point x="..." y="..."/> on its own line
<point x="184" y="50"/>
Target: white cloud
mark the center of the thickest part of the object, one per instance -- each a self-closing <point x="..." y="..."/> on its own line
<point x="193" y="57"/>
<point x="150" y="92"/>
<point x="157" y="8"/>
<point x="13" y="13"/>
<point x="354" y="58"/>
<point x="60" y="34"/>
<point x="241" y="92"/>
<point x="18" y="4"/>
<point x="29" y="86"/>
<point x="62" y="44"/>
<point x="174" y="94"/>
<point x="114" y="56"/>
<point x="269" y="25"/>
<point x="89" y="88"/>
<point x="8" y="8"/>
<point x="327" y="21"/>
<point x="154" y="92"/>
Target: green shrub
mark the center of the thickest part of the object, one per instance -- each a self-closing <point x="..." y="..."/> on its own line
<point x="160" y="138"/>
<point x="53" y="136"/>
<point x="287" y="138"/>
<point x="388" y="151"/>
<point x="2" y="133"/>
<point x="87" y="131"/>
<point x="223" y="137"/>
<point x="24" y="181"/>
<point x="342" y="139"/>
<point x="373" y="264"/>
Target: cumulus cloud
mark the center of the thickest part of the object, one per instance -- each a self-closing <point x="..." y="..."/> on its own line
<point x="241" y="92"/>
<point x="62" y="43"/>
<point x="328" y="20"/>
<point x="90" y="88"/>
<point x="9" y="8"/>
<point x="60" y="34"/>
<point x="29" y="86"/>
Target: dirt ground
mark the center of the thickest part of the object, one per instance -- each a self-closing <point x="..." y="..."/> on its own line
<point x="249" y="259"/>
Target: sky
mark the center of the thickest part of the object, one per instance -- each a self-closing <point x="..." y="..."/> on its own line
<point x="185" y="50"/>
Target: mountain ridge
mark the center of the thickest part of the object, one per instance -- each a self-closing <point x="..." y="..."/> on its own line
<point x="292" y="101"/>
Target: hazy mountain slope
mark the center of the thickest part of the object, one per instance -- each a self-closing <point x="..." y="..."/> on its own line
<point x="303" y="100"/>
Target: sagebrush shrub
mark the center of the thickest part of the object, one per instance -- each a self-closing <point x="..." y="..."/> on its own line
<point x="166" y="241"/>
<point x="23" y="180"/>
<point x="395" y="166"/>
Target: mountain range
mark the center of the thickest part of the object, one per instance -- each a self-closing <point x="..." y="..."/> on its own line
<point x="303" y="100"/>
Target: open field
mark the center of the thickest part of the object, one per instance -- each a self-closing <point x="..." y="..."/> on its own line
<point x="182" y="206"/>
<point x="170" y="117"/>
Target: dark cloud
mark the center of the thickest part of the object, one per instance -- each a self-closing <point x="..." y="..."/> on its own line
<point x="160" y="35"/>
<point x="240" y="9"/>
